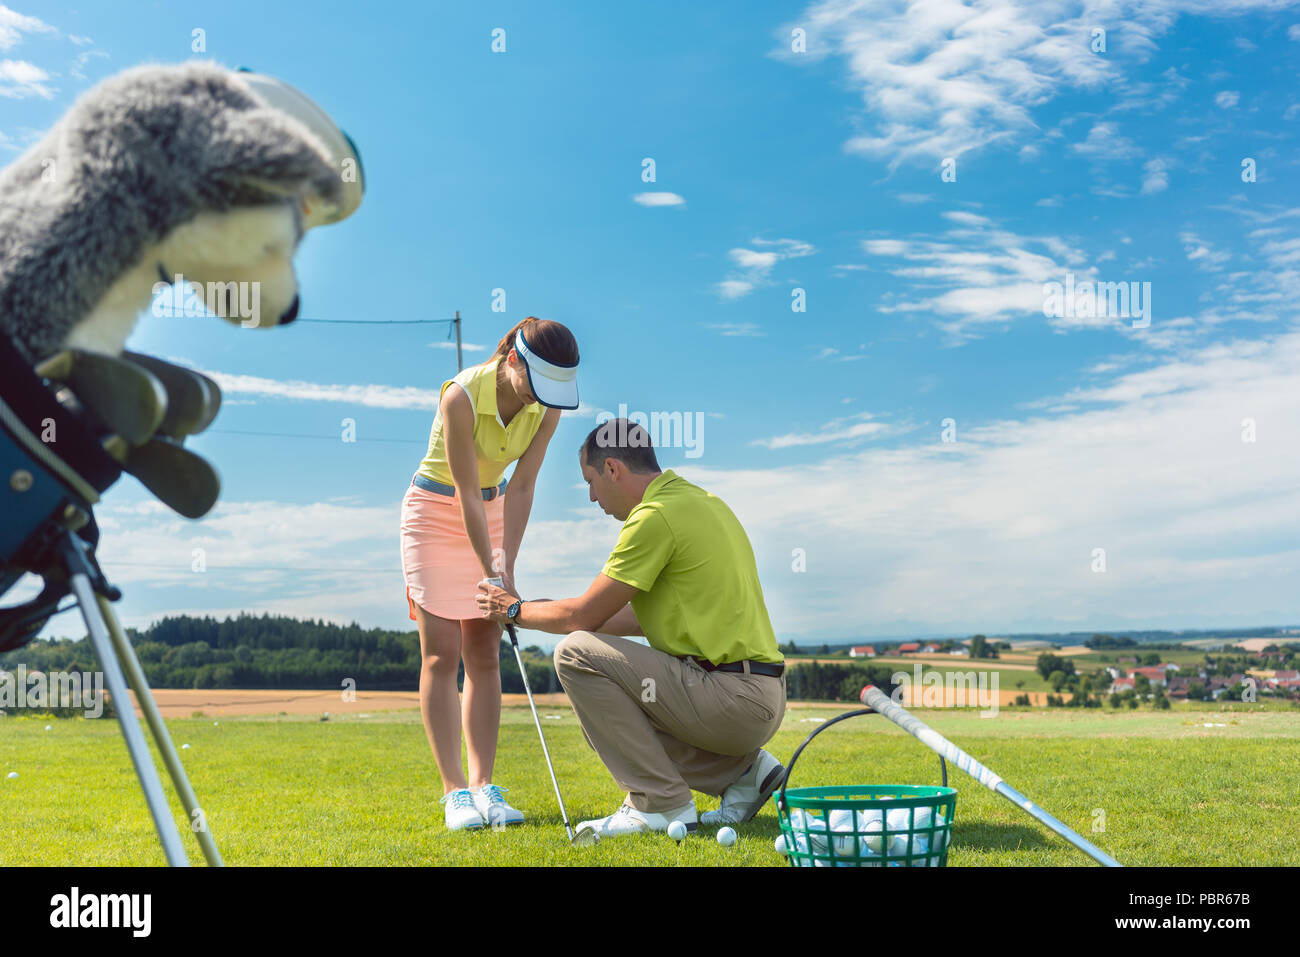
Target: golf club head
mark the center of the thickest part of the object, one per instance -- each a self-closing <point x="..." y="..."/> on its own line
<point x="193" y="399"/>
<point x="586" y="837"/>
<point x="181" y="480"/>
<point x="127" y="399"/>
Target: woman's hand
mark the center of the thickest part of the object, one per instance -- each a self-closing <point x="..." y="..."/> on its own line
<point x="494" y="602"/>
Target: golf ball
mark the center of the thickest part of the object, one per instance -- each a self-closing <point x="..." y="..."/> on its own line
<point x="898" y="819"/>
<point x="898" y="845"/>
<point x="779" y="844"/>
<point x="921" y="845"/>
<point x="922" y="818"/>
<point x="873" y="841"/>
<point x="726" y="836"/>
<point x="677" y="830"/>
<point x="841" y="819"/>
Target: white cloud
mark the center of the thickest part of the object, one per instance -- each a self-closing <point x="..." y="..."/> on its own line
<point x="836" y="431"/>
<point x="658" y="199"/>
<point x="1104" y="142"/>
<point x="940" y="79"/>
<point x="757" y="264"/>
<point x="375" y="396"/>
<point x="1156" y="178"/>
<point x="1200" y="252"/>
<point x="13" y="25"/>
<point x="736" y="328"/>
<point x="20" y="79"/>
<point x="1226" y="99"/>
<point x="465" y="346"/>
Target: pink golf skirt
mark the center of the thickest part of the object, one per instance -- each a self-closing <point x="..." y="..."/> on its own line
<point x="441" y="568"/>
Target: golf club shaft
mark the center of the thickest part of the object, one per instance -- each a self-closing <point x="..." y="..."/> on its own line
<point x="879" y="702"/>
<point x="514" y="642"/>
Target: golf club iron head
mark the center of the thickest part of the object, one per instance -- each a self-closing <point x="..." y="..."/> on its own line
<point x="126" y="399"/>
<point x="183" y="481"/>
<point x="193" y="400"/>
<point x="586" y="837"/>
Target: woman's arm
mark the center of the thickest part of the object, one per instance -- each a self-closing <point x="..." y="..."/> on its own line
<point x="519" y="493"/>
<point x="458" y="433"/>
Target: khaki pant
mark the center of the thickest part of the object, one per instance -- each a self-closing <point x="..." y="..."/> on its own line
<point x="663" y="726"/>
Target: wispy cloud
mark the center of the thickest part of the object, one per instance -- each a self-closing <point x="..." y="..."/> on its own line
<point x="658" y="199"/>
<point x="756" y="264"/>
<point x="20" y="80"/>
<point x="736" y="328"/>
<point x="373" y="396"/>
<point x="841" y="430"/>
<point x="13" y="25"/>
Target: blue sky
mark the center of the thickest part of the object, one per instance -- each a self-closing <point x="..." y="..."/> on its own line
<point x="775" y="171"/>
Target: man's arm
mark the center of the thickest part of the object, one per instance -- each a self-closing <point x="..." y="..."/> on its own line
<point x="622" y="622"/>
<point x="600" y="606"/>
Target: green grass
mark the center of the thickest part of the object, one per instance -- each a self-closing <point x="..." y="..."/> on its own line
<point x="364" y="791"/>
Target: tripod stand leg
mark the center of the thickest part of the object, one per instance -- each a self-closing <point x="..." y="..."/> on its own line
<point x="166" y="747"/>
<point x="136" y="744"/>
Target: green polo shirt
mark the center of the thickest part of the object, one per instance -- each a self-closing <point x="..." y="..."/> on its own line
<point x="693" y="567"/>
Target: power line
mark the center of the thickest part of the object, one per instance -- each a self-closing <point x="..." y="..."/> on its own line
<point x="262" y="568"/>
<point x="304" y="435"/>
<point x="377" y="322"/>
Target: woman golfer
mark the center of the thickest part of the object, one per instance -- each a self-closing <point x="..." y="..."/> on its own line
<point x="460" y="526"/>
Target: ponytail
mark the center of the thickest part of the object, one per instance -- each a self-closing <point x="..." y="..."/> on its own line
<point x="546" y="337"/>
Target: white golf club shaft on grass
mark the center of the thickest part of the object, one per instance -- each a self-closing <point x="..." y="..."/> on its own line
<point x="878" y="701"/>
<point x="514" y="642"/>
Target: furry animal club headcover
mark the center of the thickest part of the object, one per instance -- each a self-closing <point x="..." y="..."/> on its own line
<point x="156" y="172"/>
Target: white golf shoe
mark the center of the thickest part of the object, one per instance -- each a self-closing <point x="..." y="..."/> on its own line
<point x="493" y="807"/>
<point x="749" y="793"/>
<point x="460" y="811"/>
<point x="628" y="820"/>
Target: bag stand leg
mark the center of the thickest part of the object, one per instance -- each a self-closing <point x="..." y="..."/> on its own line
<point x="166" y="747"/>
<point x="112" y="648"/>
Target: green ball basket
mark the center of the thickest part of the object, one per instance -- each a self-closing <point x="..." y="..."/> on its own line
<point x="851" y="826"/>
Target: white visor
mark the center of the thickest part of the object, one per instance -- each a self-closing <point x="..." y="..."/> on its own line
<point x="554" y="386"/>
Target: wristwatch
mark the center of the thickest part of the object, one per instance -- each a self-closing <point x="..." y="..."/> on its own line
<point x="512" y="612"/>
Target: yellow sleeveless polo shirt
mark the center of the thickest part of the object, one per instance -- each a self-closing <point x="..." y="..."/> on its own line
<point x="495" y="445"/>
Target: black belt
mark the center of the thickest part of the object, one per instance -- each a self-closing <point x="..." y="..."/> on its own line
<point x="755" y="667"/>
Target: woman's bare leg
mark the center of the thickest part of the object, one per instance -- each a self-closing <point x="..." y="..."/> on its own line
<point x="440" y="647"/>
<point x="480" y="647"/>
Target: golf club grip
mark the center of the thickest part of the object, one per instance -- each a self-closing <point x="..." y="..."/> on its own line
<point x="879" y="702"/>
<point x="514" y="639"/>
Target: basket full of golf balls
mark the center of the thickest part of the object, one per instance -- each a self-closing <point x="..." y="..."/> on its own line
<point x="893" y="825"/>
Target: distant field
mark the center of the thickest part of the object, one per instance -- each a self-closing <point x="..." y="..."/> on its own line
<point x="363" y="790"/>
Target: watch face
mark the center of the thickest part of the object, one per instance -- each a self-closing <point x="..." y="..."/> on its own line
<point x="513" y="611"/>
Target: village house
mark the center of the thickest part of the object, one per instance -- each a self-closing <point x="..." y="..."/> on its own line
<point x="1155" y="674"/>
<point x="862" y="651"/>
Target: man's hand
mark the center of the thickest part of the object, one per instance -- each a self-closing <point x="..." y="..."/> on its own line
<point x="494" y="602"/>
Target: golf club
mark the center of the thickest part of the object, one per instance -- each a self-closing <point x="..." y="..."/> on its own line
<point x="586" y="836"/>
<point x="875" y="699"/>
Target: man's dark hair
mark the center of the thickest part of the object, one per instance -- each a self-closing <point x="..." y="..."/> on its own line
<point x="623" y="440"/>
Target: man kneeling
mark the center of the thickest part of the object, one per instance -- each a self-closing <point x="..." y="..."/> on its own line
<point x="693" y="710"/>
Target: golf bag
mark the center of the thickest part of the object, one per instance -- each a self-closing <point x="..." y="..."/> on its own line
<point x="57" y="454"/>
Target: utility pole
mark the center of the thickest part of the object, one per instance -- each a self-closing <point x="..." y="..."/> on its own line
<point x="460" y="362"/>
